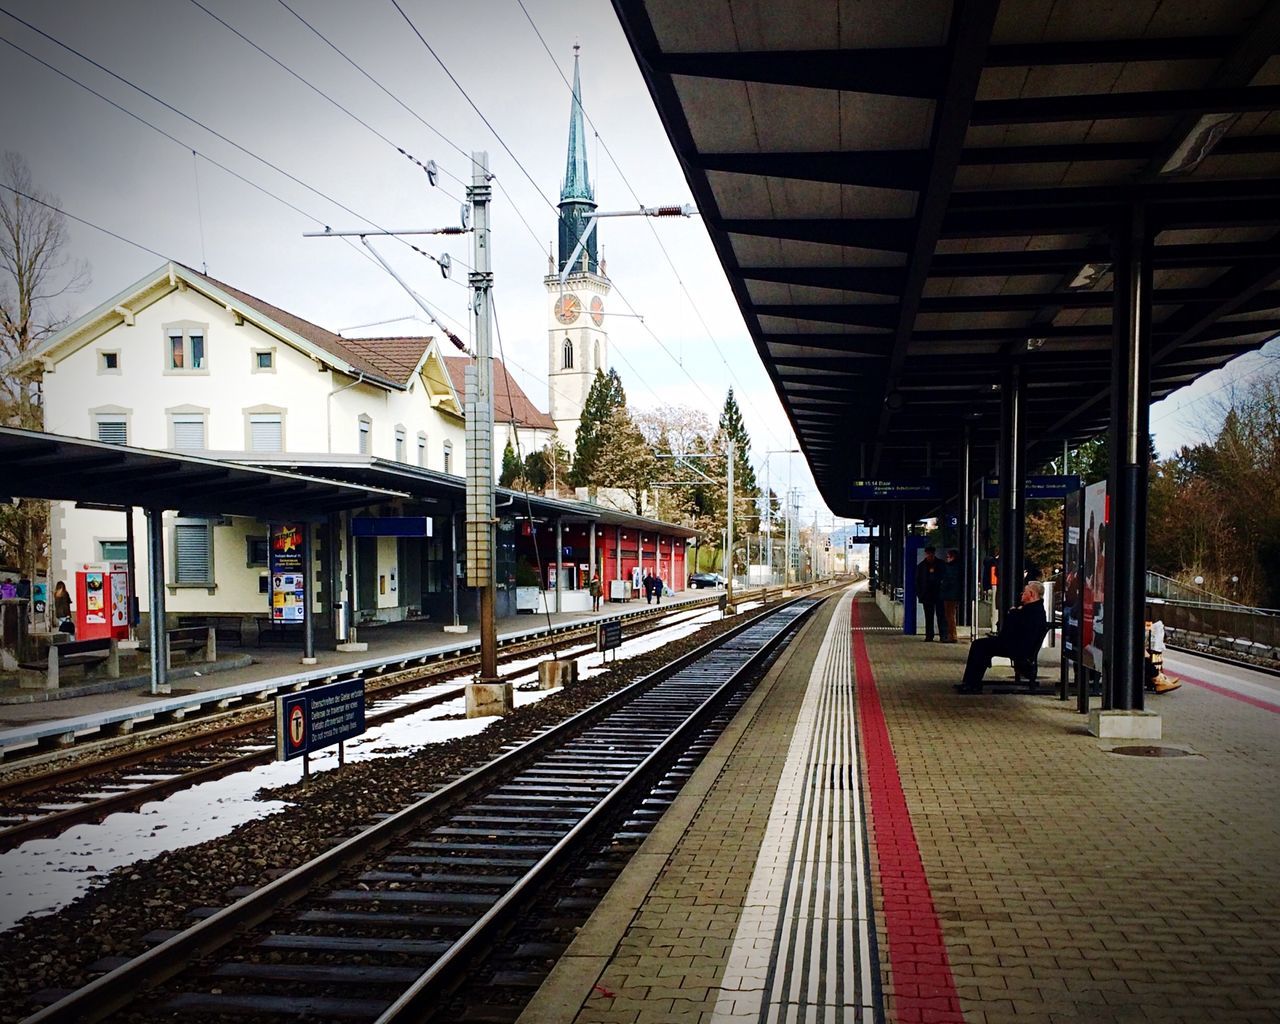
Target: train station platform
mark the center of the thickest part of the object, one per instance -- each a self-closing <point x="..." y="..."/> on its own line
<point x="865" y="844"/>
<point x="241" y="665"/>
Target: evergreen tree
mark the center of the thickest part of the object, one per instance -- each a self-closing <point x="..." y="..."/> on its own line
<point x="605" y="397"/>
<point x="511" y="467"/>
<point x="746" y="515"/>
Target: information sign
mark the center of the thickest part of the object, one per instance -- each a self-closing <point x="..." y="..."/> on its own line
<point x="1036" y="487"/>
<point x="919" y="489"/>
<point x="288" y="573"/>
<point x="319" y="717"/>
<point x="608" y="636"/>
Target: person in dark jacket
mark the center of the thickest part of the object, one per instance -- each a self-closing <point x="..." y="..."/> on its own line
<point x="1020" y="636"/>
<point x="951" y="589"/>
<point x="648" y="588"/>
<point x="929" y="592"/>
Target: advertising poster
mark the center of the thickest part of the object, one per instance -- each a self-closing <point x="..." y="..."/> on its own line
<point x="95" y="600"/>
<point x="288" y="573"/>
<point x="1094" y="574"/>
<point x="119" y="599"/>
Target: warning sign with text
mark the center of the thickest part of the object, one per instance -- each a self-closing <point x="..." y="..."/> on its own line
<point x="317" y="718"/>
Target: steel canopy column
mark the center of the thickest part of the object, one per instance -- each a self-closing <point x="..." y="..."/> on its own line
<point x="308" y="595"/>
<point x="558" y="563"/>
<point x="1013" y="473"/>
<point x="1126" y="530"/>
<point x="966" y="552"/>
<point x="155" y="583"/>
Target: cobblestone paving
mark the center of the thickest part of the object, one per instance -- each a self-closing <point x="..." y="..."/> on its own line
<point x="1075" y="884"/>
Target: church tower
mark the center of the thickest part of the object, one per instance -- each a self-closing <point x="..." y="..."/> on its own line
<point x="577" y="341"/>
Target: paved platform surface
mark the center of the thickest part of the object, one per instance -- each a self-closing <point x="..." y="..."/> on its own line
<point x="269" y="662"/>
<point x="1020" y="869"/>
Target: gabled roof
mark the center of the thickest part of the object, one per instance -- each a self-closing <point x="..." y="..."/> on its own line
<point x="509" y="400"/>
<point x="379" y="364"/>
<point x="398" y="357"/>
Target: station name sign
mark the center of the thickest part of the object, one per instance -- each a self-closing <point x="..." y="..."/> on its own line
<point x="390" y="526"/>
<point x="319" y="717"/>
<point x="906" y="489"/>
<point x="1036" y="487"/>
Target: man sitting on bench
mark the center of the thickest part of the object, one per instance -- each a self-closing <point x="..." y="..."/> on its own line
<point x="1020" y="636"/>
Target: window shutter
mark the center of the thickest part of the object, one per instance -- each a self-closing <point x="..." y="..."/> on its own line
<point x="112" y="430"/>
<point x="188" y="433"/>
<point x="366" y="441"/>
<point x="266" y="433"/>
<point x="192" y="544"/>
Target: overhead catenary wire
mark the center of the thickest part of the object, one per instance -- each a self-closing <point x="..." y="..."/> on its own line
<point x="200" y="124"/>
<point x="177" y="141"/>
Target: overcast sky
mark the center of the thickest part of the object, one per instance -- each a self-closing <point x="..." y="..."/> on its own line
<point x="116" y="172"/>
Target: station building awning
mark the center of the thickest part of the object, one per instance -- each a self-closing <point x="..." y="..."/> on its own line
<point x="60" y="468"/>
<point x="432" y="485"/>
<point x="910" y="195"/>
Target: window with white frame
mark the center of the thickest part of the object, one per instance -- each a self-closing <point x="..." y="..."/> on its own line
<point x="186" y="349"/>
<point x="448" y="456"/>
<point x="567" y="353"/>
<point x="109" y="361"/>
<point x="422" y="450"/>
<point x="193" y="552"/>
<point x="365" y="439"/>
<point x="264" y="360"/>
<point x="266" y="432"/>
<point x="188" y="431"/>
<point x="111" y="427"/>
<point x="400" y="444"/>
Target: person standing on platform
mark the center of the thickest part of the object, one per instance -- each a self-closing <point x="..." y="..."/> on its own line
<point x="951" y="589"/>
<point x="1022" y="631"/>
<point x="657" y="589"/>
<point x="929" y="591"/>
<point x="648" y="588"/>
<point x="594" y="588"/>
<point x="62" y="609"/>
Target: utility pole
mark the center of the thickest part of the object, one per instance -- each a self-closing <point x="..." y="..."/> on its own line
<point x="479" y="417"/>
<point x="728" y="545"/>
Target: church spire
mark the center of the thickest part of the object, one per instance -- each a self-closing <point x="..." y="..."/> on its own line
<point x="577" y="183"/>
<point x="577" y="197"/>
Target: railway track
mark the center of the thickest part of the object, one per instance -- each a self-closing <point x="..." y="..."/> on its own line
<point x="383" y="926"/>
<point x="88" y="790"/>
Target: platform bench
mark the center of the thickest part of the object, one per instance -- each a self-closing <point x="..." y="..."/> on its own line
<point x="226" y="628"/>
<point x="86" y="655"/>
<point x="188" y="641"/>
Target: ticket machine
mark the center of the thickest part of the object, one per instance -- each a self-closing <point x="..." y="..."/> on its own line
<point x="102" y="600"/>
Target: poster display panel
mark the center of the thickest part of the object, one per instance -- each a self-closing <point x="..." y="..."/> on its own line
<point x="288" y="573"/>
<point x="1094" y="574"/>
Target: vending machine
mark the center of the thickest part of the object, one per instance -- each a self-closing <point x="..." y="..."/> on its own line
<point x="102" y="600"/>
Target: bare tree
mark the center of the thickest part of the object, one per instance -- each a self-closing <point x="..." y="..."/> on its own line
<point x="35" y="275"/>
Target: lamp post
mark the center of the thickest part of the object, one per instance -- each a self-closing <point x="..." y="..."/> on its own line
<point x="768" y="503"/>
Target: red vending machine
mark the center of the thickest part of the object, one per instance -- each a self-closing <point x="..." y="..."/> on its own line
<point x="102" y="600"/>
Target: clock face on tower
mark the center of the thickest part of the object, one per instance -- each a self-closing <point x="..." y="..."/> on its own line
<point x="597" y="310"/>
<point x="567" y="308"/>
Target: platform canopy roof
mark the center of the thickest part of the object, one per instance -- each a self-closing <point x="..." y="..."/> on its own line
<point x="59" y="468"/>
<point x="908" y="194"/>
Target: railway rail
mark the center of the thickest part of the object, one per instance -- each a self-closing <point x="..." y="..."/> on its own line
<point x="89" y="789"/>
<point x="382" y="926"/>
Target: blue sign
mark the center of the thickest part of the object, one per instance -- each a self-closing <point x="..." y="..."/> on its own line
<point x="953" y="520"/>
<point x="316" y="718"/>
<point x="390" y="526"/>
<point x="608" y="636"/>
<point x="1036" y="487"/>
<point x="918" y="489"/>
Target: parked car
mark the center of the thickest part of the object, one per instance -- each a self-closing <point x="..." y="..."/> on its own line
<point x="703" y="580"/>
